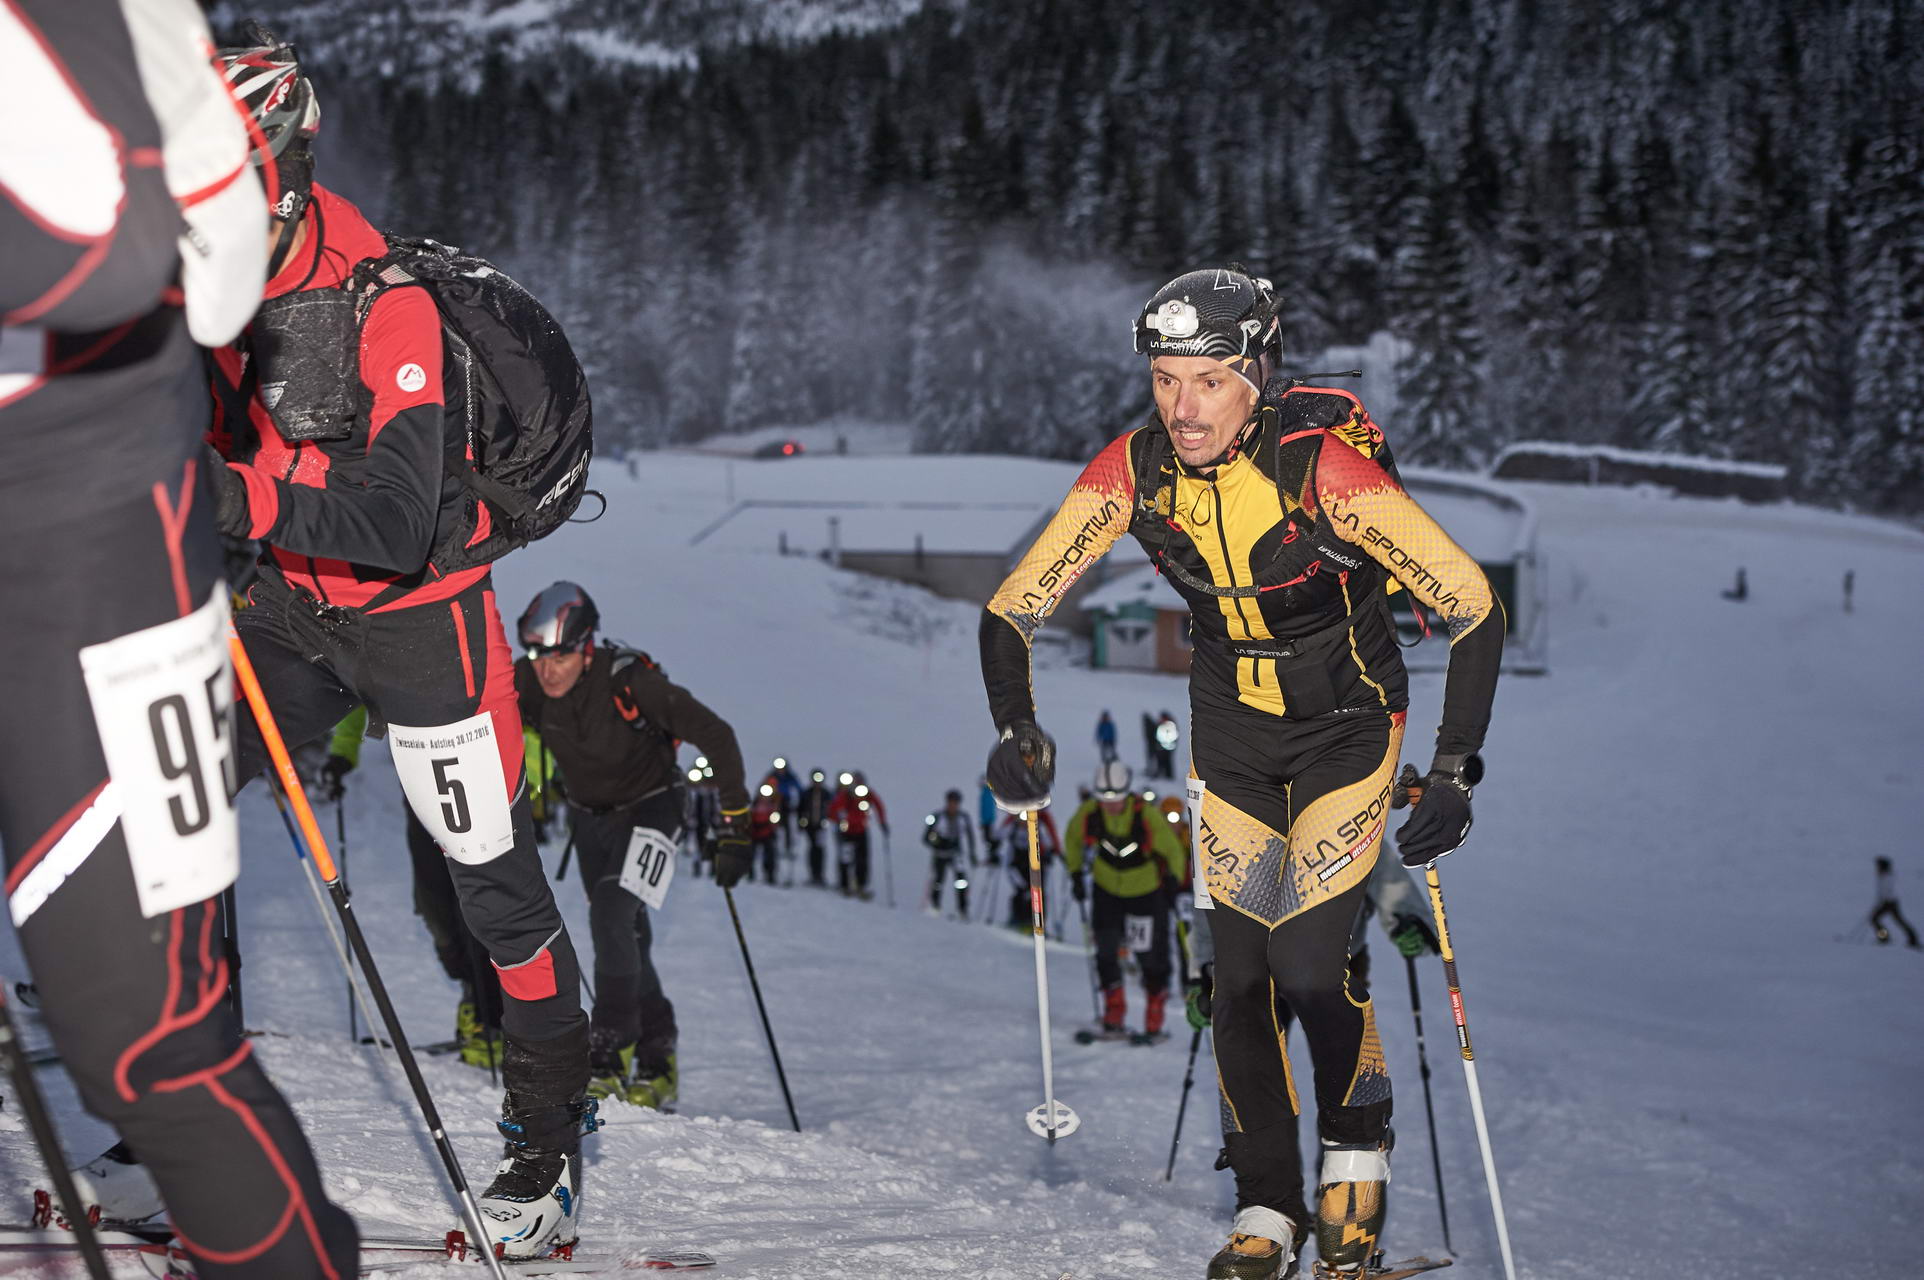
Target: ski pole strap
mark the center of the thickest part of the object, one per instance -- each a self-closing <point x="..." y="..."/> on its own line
<point x="283" y="763"/>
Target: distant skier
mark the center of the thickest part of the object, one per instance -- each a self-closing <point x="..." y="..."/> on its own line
<point x="1013" y="835"/>
<point x="1168" y="735"/>
<point x="612" y="721"/>
<point x="1132" y="854"/>
<point x="988" y="815"/>
<point x="1106" y="736"/>
<point x="811" y="815"/>
<point x="852" y="810"/>
<point x="1887" y="905"/>
<point x="764" y="832"/>
<point x="1275" y="510"/>
<point x="1850" y="584"/>
<point x="949" y="835"/>
<point x="789" y="789"/>
<point x="1739" y="590"/>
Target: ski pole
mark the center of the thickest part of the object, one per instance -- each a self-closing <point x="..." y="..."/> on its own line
<point x="1188" y="1079"/>
<point x="230" y="950"/>
<point x="340" y="841"/>
<point x="27" y="1090"/>
<point x="1469" y="1066"/>
<point x="1052" y="1119"/>
<point x="767" y="1030"/>
<point x="888" y="867"/>
<point x="567" y="852"/>
<point x="1429" y="1108"/>
<point x="1089" y="953"/>
<point x="351" y="926"/>
<point x="320" y="908"/>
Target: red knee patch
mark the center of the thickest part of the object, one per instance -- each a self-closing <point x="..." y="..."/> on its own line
<point x="531" y="981"/>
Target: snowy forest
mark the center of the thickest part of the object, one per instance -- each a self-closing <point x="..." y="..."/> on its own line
<point x="1693" y="227"/>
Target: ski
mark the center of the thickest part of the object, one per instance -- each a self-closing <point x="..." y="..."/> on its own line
<point x="1101" y="1035"/>
<point x="1148" y="1037"/>
<point x="453" y="1247"/>
<point x="1404" y="1269"/>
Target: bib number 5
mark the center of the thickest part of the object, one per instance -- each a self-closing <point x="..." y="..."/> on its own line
<point x="649" y="867"/>
<point x="451" y="775"/>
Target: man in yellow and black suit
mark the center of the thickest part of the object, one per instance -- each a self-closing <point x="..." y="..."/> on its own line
<point x="1275" y="510"/>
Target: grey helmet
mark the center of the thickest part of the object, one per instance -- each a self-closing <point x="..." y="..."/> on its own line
<point x="562" y="619"/>
<point x="265" y="78"/>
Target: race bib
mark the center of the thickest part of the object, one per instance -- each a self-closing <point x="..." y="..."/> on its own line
<point x="163" y="702"/>
<point x="649" y="867"/>
<point x="452" y="778"/>
<point x="1194" y="789"/>
<point x="1138" y="932"/>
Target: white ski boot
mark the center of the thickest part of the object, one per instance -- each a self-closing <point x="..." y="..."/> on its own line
<point x="119" y="1185"/>
<point x="530" y="1208"/>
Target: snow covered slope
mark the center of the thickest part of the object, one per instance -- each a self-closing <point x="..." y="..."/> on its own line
<point x="1686" y="1073"/>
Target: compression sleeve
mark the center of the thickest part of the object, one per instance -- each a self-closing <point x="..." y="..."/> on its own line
<point x="677" y="712"/>
<point x="1368" y="508"/>
<point x="1084" y="527"/>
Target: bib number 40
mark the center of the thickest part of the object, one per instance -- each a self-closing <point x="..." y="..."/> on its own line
<point x="649" y="867"/>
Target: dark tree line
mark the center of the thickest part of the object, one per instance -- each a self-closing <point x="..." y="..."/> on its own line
<point x="1686" y="227"/>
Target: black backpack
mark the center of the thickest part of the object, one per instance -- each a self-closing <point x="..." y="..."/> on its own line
<point x="519" y="431"/>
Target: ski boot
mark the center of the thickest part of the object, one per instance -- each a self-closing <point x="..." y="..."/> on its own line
<point x="480" y="1046"/>
<point x="1115" y="1007"/>
<point x="655" y="1084"/>
<point x="118" y="1186"/>
<point x="1350" y="1204"/>
<point x="1152" y="1018"/>
<point x="1263" y="1245"/>
<point x="532" y="1208"/>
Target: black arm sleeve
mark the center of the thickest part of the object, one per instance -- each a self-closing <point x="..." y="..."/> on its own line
<point x="675" y="710"/>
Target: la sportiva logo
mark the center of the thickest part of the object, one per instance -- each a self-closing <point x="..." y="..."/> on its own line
<point x="1065" y="568"/>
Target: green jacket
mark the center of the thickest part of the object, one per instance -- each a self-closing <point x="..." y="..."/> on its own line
<point x="1124" y="868"/>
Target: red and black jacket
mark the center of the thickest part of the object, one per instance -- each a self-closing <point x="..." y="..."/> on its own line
<point x="350" y="520"/>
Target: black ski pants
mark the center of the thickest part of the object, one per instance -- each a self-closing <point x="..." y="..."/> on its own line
<point x="461" y="954"/>
<point x="949" y="869"/>
<point x="1292" y="823"/>
<point x="767" y="855"/>
<point x="630" y="1006"/>
<point x="1110" y="917"/>
<point x="137" y="1006"/>
<point x="854" y="861"/>
<point x="817" y="856"/>
<point x="1889" y="907"/>
<point x="434" y="664"/>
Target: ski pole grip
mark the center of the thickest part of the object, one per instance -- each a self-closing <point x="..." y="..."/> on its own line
<point x="283" y="763"/>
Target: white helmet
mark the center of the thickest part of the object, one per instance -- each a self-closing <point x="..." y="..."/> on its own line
<point x="1112" y="780"/>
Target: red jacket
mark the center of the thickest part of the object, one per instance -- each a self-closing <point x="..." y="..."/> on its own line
<point x="352" y="521"/>
<point x="850" y="812"/>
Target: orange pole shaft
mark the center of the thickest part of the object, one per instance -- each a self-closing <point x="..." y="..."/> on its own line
<point x="283" y="763"/>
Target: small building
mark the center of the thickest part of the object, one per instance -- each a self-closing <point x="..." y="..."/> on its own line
<point x="1594" y="464"/>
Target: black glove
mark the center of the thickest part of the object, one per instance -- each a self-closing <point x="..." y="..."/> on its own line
<point x="1442" y="801"/>
<point x="231" y="516"/>
<point x="1022" y="766"/>
<point x="1079" y="886"/>
<point x="732" y="851"/>
<point x="334" y="777"/>
<point x="1413" y="935"/>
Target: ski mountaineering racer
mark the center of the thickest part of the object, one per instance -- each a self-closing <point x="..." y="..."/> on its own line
<point x="1128" y="848"/>
<point x="133" y="228"/>
<point x="332" y="426"/>
<point x="1274" y="509"/>
<point x="612" y="722"/>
